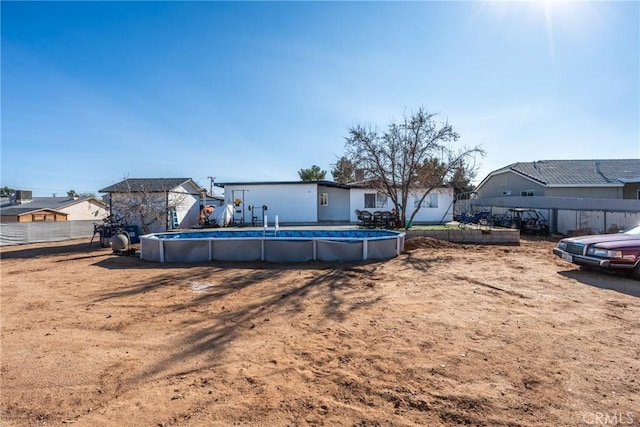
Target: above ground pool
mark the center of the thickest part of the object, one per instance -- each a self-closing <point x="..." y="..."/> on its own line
<point x="290" y="245"/>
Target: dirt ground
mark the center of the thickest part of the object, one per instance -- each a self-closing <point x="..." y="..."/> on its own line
<point x="444" y="334"/>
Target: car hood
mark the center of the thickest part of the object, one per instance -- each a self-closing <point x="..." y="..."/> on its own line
<point x="604" y="238"/>
<point x="619" y="244"/>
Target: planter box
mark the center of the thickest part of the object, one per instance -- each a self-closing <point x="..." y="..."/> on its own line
<point x="475" y="236"/>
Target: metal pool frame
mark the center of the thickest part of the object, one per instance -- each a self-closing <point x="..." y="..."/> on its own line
<point x="284" y="246"/>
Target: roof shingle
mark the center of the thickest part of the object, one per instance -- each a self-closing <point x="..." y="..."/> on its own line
<point x="133" y="185"/>
<point x="41" y="203"/>
<point x="580" y="172"/>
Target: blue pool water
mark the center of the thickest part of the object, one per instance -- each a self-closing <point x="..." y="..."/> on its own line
<point x="302" y="234"/>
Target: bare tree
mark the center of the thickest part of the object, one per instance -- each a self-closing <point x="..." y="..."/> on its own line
<point x="146" y="207"/>
<point x="412" y="157"/>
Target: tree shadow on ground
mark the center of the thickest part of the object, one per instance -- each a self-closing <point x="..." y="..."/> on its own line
<point x="420" y="261"/>
<point x="18" y="252"/>
<point x="334" y="289"/>
<point x="611" y="281"/>
<point x="124" y="262"/>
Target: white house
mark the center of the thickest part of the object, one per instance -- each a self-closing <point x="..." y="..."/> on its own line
<point x="324" y="201"/>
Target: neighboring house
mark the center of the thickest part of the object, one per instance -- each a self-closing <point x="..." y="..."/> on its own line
<point x="56" y="209"/>
<point x="324" y="201"/>
<point x="603" y="179"/>
<point x="164" y="203"/>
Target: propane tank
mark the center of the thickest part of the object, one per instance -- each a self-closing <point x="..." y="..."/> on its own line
<point x="119" y="242"/>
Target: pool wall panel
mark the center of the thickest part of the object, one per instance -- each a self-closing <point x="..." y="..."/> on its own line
<point x="288" y="250"/>
<point x="150" y="249"/>
<point x="329" y="250"/>
<point x="186" y="250"/>
<point x="381" y="249"/>
<point x="237" y="250"/>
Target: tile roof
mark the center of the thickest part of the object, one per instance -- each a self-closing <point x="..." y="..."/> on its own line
<point x="132" y="185"/>
<point x="579" y="172"/>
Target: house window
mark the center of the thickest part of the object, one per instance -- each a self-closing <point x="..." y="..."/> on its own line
<point x="431" y="201"/>
<point x="375" y="201"/>
<point x="381" y="200"/>
<point x="527" y="193"/>
<point x="324" y="199"/>
<point x="370" y="201"/>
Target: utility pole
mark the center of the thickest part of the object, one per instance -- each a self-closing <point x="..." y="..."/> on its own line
<point x="211" y="179"/>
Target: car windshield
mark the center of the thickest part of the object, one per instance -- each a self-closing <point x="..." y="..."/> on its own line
<point x="634" y="231"/>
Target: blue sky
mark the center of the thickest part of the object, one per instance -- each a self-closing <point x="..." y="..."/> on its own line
<point x="252" y="91"/>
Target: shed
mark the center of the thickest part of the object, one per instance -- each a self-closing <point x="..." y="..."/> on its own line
<point x="156" y="204"/>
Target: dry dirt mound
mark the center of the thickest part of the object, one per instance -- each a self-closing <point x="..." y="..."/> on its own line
<point x="427" y="243"/>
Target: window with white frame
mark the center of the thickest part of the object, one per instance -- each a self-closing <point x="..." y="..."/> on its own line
<point x="376" y="200"/>
<point x="431" y="201"/>
<point x="324" y="199"/>
<point x="526" y="193"/>
<point x="381" y="200"/>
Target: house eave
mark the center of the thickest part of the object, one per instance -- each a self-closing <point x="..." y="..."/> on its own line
<point x="611" y="185"/>
<point x="263" y="183"/>
<point x="630" y="180"/>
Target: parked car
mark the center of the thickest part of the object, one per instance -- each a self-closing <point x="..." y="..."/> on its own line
<point x="614" y="252"/>
<point x="524" y="219"/>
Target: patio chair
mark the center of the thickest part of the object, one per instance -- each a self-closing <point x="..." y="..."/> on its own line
<point x="385" y="219"/>
<point x="366" y="219"/>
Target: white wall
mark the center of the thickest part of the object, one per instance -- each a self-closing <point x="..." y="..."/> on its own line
<point x="86" y="210"/>
<point x="291" y="202"/>
<point x="124" y="199"/>
<point x="188" y="210"/>
<point x="187" y="205"/>
<point x="356" y="201"/>
<point x="443" y="213"/>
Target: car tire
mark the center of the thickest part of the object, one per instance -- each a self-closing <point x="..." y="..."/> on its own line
<point x="636" y="271"/>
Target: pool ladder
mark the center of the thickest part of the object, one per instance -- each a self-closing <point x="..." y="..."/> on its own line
<point x="266" y="229"/>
